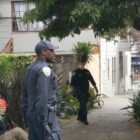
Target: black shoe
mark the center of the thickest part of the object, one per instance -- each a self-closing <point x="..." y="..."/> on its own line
<point x="79" y="119"/>
<point x="86" y="123"/>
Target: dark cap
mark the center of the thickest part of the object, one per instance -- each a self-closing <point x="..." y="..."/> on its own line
<point x="44" y="45"/>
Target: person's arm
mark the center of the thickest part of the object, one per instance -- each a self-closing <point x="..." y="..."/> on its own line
<point x="27" y="87"/>
<point x="43" y="85"/>
<point x="91" y="79"/>
<point x="24" y="99"/>
<point x="74" y="80"/>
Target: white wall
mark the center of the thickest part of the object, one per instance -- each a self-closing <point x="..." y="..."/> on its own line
<point x="66" y="44"/>
<point x="25" y="42"/>
<point x="108" y="50"/>
<point x="125" y="83"/>
<point x="93" y="67"/>
<point x="128" y="71"/>
<point x="5" y="8"/>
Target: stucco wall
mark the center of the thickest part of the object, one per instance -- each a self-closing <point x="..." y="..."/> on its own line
<point x="25" y="42"/>
<point x="108" y="50"/>
<point x="5" y="8"/>
<point x="93" y="67"/>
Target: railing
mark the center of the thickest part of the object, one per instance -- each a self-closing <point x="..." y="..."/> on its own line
<point x="8" y="47"/>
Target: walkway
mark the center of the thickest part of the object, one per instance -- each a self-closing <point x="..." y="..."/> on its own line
<point x="108" y="123"/>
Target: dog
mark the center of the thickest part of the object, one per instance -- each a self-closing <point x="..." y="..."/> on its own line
<point x="14" y="134"/>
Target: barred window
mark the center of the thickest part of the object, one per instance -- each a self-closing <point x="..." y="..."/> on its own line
<point x="18" y="10"/>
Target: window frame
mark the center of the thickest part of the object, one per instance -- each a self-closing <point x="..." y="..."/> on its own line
<point x="14" y="19"/>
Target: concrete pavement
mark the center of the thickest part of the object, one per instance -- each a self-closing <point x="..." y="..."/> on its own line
<point x="107" y="123"/>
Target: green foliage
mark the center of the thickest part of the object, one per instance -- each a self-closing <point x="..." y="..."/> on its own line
<point x="83" y="52"/>
<point x="135" y="107"/>
<point x="2" y="117"/>
<point x="64" y="17"/>
<point x="67" y="104"/>
<point x="4" y="66"/>
<point x="11" y="73"/>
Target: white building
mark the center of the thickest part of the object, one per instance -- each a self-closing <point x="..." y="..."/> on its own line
<point x="115" y="66"/>
<point x="114" y="60"/>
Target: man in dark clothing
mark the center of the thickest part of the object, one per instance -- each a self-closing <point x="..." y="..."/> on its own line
<point x="80" y="83"/>
<point x="38" y="101"/>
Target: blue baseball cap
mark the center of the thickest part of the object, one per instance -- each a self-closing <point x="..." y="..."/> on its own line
<point x="44" y="45"/>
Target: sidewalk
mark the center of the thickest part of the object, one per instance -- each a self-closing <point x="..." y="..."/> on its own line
<point x="108" y="123"/>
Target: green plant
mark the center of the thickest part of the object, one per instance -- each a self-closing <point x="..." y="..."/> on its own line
<point x="67" y="104"/>
<point x="11" y="72"/>
<point x="83" y="51"/>
<point x="135" y="107"/>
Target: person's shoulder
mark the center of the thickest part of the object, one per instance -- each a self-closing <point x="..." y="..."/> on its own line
<point x="87" y="71"/>
<point x="37" y="66"/>
<point x="75" y="72"/>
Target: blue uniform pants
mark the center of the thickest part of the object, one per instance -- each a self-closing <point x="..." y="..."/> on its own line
<point x="37" y="131"/>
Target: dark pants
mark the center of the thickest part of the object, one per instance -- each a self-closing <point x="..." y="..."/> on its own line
<point x="2" y="127"/>
<point x="83" y="99"/>
<point x="37" y="131"/>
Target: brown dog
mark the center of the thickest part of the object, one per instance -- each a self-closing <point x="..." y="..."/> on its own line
<point x="14" y="134"/>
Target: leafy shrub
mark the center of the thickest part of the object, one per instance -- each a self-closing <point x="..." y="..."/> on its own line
<point x="11" y="73"/>
<point x="135" y="107"/>
<point x="69" y="105"/>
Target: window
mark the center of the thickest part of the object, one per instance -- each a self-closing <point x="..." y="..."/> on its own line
<point x="18" y="10"/>
<point x="113" y="70"/>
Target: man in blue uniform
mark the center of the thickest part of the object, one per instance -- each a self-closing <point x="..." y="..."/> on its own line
<point x="80" y="83"/>
<point x="38" y="100"/>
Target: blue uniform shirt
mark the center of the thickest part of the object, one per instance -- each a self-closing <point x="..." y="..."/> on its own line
<point x="39" y="89"/>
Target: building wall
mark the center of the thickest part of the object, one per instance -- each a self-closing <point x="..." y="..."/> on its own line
<point x="93" y="67"/>
<point x="125" y="82"/>
<point x="25" y="42"/>
<point x="108" y="49"/>
<point x="5" y="8"/>
<point x="5" y="22"/>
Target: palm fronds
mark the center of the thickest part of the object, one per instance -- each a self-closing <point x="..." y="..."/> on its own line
<point x="83" y="52"/>
<point x="135" y="107"/>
